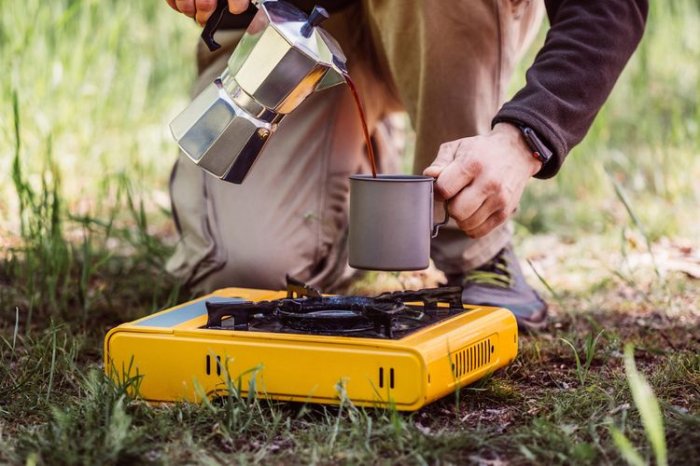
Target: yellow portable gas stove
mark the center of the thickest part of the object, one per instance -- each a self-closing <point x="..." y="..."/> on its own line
<point x="401" y="349"/>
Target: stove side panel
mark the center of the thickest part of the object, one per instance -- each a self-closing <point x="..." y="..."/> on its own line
<point x="468" y="351"/>
<point x="190" y="365"/>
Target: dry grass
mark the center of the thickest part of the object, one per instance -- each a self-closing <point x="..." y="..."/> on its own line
<point x="58" y="408"/>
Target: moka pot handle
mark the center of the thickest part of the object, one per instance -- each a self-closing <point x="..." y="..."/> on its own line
<point x="213" y="24"/>
<point x="214" y="21"/>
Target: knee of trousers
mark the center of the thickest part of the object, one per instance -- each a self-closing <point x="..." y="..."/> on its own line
<point x="262" y="262"/>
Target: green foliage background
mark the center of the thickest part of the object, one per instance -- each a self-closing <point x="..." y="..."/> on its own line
<point x="97" y="82"/>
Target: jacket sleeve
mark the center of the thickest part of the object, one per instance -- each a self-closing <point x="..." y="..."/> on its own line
<point x="587" y="46"/>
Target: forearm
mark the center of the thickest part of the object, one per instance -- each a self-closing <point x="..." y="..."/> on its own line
<point x="586" y="48"/>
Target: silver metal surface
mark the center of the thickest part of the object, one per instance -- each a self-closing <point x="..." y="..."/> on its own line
<point x="391" y="222"/>
<point x="281" y="59"/>
<point x="213" y="128"/>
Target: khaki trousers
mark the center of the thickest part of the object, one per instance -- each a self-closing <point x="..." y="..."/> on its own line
<point x="447" y="64"/>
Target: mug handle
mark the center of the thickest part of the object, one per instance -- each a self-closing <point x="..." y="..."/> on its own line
<point x="436" y="227"/>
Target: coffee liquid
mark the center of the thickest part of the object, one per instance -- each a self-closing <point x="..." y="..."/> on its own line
<point x="363" y="120"/>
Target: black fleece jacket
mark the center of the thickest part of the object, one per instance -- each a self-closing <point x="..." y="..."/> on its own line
<point x="586" y="48"/>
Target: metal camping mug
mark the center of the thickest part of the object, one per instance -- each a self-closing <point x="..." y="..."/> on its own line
<point x="391" y="222"/>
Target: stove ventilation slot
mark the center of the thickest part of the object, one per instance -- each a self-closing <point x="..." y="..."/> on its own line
<point x="471" y="358"/>
<point x="382" y="380"/>
<point x="217" y="361"/>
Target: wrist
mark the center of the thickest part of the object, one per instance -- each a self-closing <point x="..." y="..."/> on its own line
<point x="518" y="144"/>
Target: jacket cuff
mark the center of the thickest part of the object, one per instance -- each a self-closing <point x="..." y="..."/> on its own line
<point x="523" y="116"/>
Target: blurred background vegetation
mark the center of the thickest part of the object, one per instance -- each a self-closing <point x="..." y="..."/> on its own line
<point x="96" y="83"/>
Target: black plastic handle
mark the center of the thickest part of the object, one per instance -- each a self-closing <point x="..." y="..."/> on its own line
<point x="213" y="24"/>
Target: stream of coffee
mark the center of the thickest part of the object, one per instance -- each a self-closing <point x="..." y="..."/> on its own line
<point x="363" y="120"/>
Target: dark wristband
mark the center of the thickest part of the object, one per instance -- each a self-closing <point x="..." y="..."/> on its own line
<point x="539" y="149"/>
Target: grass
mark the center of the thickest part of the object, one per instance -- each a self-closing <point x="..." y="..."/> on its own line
<point x="84" y="233"/>
<point x="537" y="410"/>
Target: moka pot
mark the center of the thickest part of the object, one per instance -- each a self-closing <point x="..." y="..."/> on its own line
<point x="283" y="57"/>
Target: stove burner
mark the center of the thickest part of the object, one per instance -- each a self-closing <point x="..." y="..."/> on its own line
<point x="329" y="321"/>
<point x="305" y="310"/>
<point x="339" y="314"/>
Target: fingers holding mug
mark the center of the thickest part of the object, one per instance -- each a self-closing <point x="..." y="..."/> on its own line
<point x="495" y="219"/>
<point x="445" y="156"/>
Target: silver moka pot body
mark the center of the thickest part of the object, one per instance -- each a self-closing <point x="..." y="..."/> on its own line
<point x="282" y="58"/>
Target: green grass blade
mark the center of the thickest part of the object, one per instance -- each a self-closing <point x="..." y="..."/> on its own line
<point x="539" y="276"/>
<point x="591" y="343"/>
<point x="620" y="193"/>
<point x="52" y="368"/>
<point x="648" y="407"/>
<point x="579" y="372"/>
<point x="626" y="449"/>
<point x="16" y="330"/>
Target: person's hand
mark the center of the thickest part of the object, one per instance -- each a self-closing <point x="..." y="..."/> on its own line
<point x="483" y="177"/>
<point x="201" y="10"/>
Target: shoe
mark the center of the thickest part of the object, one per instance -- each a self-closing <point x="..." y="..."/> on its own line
<point x="500" y="282"/>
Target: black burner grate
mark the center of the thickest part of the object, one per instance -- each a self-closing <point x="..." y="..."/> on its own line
<point x="305" y="310"/>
